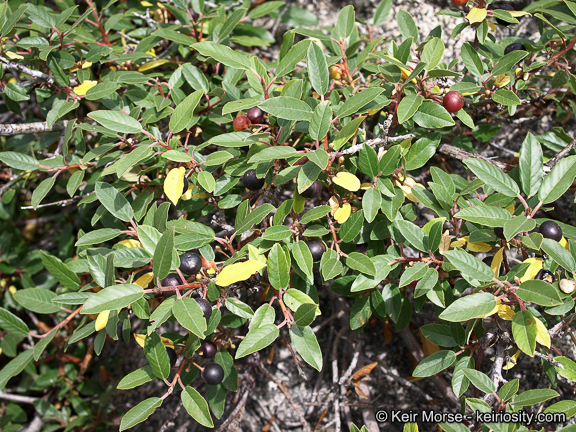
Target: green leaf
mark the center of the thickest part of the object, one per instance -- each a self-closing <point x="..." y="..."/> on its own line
<point x="371" y="202"/>
<point x="286" y="107"/>
<point x="434" y="363"/>
<point x="255" y="217"/>
<point x="303" y="256"/>
<point x="174" y="36"/>
<point x="292" y="58"/>
<point x="197" y="406"/>
<point x="183" y="114"/>
<point x="469" y="307"/>
<point x="272" y="154"/>
<point x="359" y="100"/>
<point x="264" y="315"/>
<point x="558" y="180"/>
<point x="533" y="397"/>
<point x="140" y="412"/>
<point x="530" y="165"/>
<point x="98" y="236"/>
<point x="480" y="380"/>
<point x="13" y="324"/>
<point x="15" y="366"/>
<point x="41" y="191"/>
<point x="223" y="54"/>
<point x="493" y="177"/>
<point x="19" y="161"/>
<point x="319" y="157"/>
<point x="136" y="378"/>
<point x="559" y="254"/>
<point x="485" y="215"/>
<point x="163" y="254"/>
<point x="539" y="292"/>
<point x="37" y="300"/>
<point x="408" y="107"/>
<point x="306" y="344"/>
<point x="116" y="121"/>
<point x="114" y="201"/>
<point x="412" y="233"/>
<point x="419" y="154"/>
<point x="407" y="25"/>
<point x="506" y="97"/>
<point x="207" y="181"/>
<point x="469" y="265"/>
<point x="361" y="262"/>
<point x="568" y="371"/>
<point x="432" y="115"/>
<point x="382" y="11"/>
<point x="432" y="53"/>
<point x="277" y="233"/>
<point x="257" y="339"/>
<point x="368" y="161"/>
<point x="189" y="314"/>
<point x="157" y="355"/>
<point x="60" y="271"/>
<point x="320" y="121"/>
<point x="413" y="273"/>
<point x="278" y="268"/>
<point x="524" y="330"/>
<point x="347" y="132"/>
<point x="472" y="60"/>
<point x="345" y="23"/>
<point x="315" y="214"/>
<point x="318" y="69"/>
<point x="113" y="297"/>
<point x="507" y="62"/>
<point x="305" y="314"/>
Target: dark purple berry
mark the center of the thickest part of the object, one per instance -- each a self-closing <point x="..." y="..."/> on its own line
<point x="255" y="115"/>
<point x="251" y="181"/>
<point x="499" y="231"/>
<point x="317" y="249"/>
<point x="516" y="46"/>
<point x="190" y="263"/>
<point x="205" y="306"/>
<point x="171" y="280"/>
<point x="208" y="349"/>
<point x="551" y="230"/>
<point x="213" y="374"/>
<point x="313" y="191"/>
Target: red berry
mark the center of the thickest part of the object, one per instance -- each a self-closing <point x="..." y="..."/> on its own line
<point x="241" y="123"/>
<point x="255" y="115"/>
<point x="453" y="101"/>
<point x="460" y="2"/>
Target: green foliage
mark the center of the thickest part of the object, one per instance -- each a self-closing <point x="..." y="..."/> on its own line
<point x="128" y="111"/>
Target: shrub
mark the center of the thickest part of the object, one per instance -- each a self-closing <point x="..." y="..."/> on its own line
<point x="121" y="153"/>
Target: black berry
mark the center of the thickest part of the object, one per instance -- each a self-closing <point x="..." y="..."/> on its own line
<point x="205" y="306"/>
<point x="190" y="263"/>
<point x="317" y="248"/>
<point x="499" y="231"/>
<point x="251" y="181"/>
<point x="505" y="7"/>
<point x="171" y="280"/>
<point x="453" y="101"/>
<point x="173" y="356"/>
<point x="213" y="374"/>
<point x="255" y="115"/>
<point x="208" y="349"/>
<point x="313" y="191"/>
<point x="546" y="276"/>
<point x="551" y="230"/>
<point x="185" y="188"/>
<point x="516" y="46"/>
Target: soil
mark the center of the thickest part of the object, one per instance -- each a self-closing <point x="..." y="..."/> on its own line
<point x="278" y="395"/>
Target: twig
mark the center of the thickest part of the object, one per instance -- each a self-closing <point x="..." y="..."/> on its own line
<point x="33" y="73"/>
<point x="352" y="366"/>
<point x="336" y="387"/>
<point x="496" y="371"/>
<point x="17" y="398"/>
<point x="554" y="331"/>
<point x="35" y="425"/>
<point x="550" y="164"/>
<point x="10" y="183"/>
<point x="458" y="153"/>
<point x="549" y="359"/>
<point x="151" y="23"/>
<point x="30" y="128"/>
<point x="130" y="38"/>
<point x="57" y="203"/>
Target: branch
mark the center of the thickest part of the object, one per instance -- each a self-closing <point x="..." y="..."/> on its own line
<point x="33" y="73"/>
<point x="550" y="164"/>
<point x="30" y="128"/>
<point x="17" y="398"/>
<point x="554" y="331"/>
<point x="151" y="23"/>
<point x="57" y="203"/>
<point x="458" y="153"/>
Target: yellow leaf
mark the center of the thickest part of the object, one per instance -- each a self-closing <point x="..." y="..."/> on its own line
<point x="535" y="267"/>
<point x="238" y="272"/>
<point x="130" y="243"/>
<point x="152" y="52"/>
<point x="460" y="242"/>
<point x="564" y="243"/>
<point x="505" y="312"/>
<point x="343" y="213"/>
<point x="501" y="81"/>
<point x="188" y="194"/>
<point x="12" y="289"/>
<point x="479" y="247"/>
<point x="497" y="262"/>
<point x="144" y="280"/>
<point x="333" y="203"/>
<point x="174" y="184"/>
<point x="366" y="186"/>
<point x="445" y="242"/>
<point x="348" y="181"/>
<point x="152" y="64"/>
<point x="542" y="336"/>
<point x="492" y="26"/>
<point x="12" y="81"/>
<point x="517" y="14"/>
<point x="407" y="186"/>
<point x="146" y="4"/>
<point x="140" y="338"/>
<point x="476" y="15"/>
<point x="84" y="87"/>
<point x="513" y="361"/>
<point x="102" y="320"/>
<point x="13" y="56"/>
<point x="510" y="209"/>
